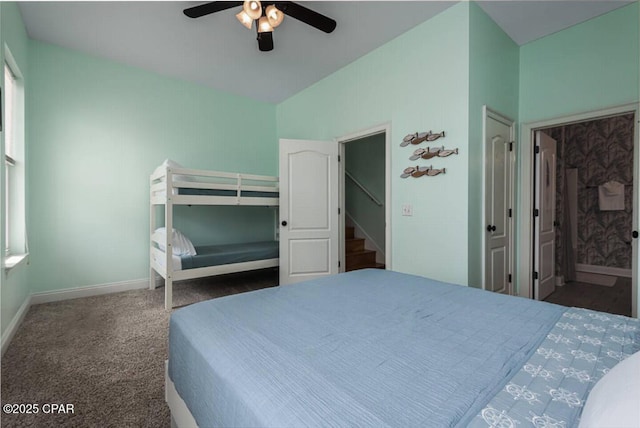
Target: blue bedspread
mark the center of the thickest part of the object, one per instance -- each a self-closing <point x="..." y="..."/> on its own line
<point x="216" y="255"/>
<point x="366" y="348"/>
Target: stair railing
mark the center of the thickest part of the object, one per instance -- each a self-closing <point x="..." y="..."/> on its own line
<point x="364" y="189"/>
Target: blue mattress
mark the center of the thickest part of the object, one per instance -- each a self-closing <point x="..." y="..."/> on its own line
<point x="214" y="255"/>
<point x="215" y="192"/>
<point x="365" y="348"/>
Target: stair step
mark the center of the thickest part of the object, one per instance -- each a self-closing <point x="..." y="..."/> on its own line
<point x="354" y="245"/>
<point x="360" y="260"/>
<point x="358" y="267"/>
<point x="349" y="232"/>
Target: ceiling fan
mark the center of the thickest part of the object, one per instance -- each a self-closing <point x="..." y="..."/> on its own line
<point x="267" y="16"/>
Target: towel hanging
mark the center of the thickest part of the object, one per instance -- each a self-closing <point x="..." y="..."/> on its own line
<point x="611" y="196"/>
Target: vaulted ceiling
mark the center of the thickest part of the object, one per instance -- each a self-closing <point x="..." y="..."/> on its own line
<point x="218" y="52"/>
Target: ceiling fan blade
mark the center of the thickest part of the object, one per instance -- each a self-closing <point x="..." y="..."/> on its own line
<point x="211" y="7"/>
<point x="308" y="16"/>
<point x="265" y="41"/>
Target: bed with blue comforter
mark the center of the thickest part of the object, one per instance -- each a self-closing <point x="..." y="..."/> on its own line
<point x="216" y="255"/>
<point x="379" y="348"/>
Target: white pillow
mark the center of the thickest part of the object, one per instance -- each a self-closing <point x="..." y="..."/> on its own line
<point x="182" y="246"/>
<point x="615" y="399"/>
<point x="174" y="164"/>
<point x="171" y="163"/>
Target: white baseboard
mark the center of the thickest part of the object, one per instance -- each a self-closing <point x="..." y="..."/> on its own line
<point x="66" y="294"/>
<point x="88" y="291"/>
<point x="604" y="270"/>
<point x="369" y="243"/>
<point x="12" y="328"/>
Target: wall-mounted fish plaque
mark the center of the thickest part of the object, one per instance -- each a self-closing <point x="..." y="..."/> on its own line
<point x="431" y="152"/>
<point x="418" y="138"/>
<point x="419" y="171"/>
<point x="445" y="153"/>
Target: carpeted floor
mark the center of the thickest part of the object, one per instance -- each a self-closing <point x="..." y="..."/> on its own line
<point x="104" y="355"/>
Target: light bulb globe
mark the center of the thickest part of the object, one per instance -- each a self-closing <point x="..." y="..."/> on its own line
<point x="253" y="8"/>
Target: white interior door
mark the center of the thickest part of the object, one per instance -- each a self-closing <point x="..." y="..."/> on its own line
<point x="545" y="216"/>
<point x="498" y="228"/>
<point x="309" y="233"/>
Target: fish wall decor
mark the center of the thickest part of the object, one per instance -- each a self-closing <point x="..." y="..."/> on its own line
<point x="445" y="153"/>
<point x="431" y="152"/>
<point x="420" y="171"/>
<point x="418" y="138"/>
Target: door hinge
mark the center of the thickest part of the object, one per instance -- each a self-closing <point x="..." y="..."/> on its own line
<point x="510" y="146"/>
<point x="536" y="213"/>
<point x="338" y="263"/>
<point x="537" y="149"/>
<point x="510" y="212"/>
<point x="338" y="211"/>
<point x="338" y="158"/>
<point x="535" y="275"/>
<point x="509" y="278"/>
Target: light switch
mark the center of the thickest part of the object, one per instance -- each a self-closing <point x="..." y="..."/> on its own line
<point x="407" y="210"/>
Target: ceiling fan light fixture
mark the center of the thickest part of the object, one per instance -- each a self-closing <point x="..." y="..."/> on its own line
<point x="264" y="26"/>
<point x="253" y="8"/>
<point x="245" y="19"/>
<point x="267" y="15"/>
<point x="274" y="15"/>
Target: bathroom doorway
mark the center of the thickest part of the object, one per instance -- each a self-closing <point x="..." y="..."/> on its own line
<point x="593" y="213"/>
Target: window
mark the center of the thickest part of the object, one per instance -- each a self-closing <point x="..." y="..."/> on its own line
<point x="15" y="245"/>
<point x="9" y="162"/>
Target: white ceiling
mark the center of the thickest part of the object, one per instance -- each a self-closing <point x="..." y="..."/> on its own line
<point x="525" y="21"/>
<point x="217" y="51"/>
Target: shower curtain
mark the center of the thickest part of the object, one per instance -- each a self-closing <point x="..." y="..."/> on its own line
<point x="570" y="221"/>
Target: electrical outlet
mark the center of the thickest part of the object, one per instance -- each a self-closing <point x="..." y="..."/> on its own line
<point x="407" y="210"/>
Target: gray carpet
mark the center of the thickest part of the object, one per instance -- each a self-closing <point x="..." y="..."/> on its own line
<point x="105" y="354"/>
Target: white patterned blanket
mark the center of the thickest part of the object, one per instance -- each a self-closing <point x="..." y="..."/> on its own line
<point x="551" y="388"/>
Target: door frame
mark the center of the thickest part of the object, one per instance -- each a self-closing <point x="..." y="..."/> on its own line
<point x="488" y="112"/>
<point x="374" y="130"/>
<point x="525" y="217"/>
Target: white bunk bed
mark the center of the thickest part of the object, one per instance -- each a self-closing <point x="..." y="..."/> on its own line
<point x="170" y="186"/>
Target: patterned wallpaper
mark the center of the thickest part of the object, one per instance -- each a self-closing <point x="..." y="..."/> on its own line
<point x="602" y="150"/>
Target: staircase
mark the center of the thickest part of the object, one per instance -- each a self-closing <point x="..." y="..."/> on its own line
<point x="357" y="256"/>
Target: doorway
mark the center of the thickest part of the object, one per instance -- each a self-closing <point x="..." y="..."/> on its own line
<point x="365" y="195"/>
<point x="594" y="215"/>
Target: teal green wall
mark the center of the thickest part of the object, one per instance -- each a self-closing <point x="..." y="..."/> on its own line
<point x="584" y="68"/>
<point x="14" y="286"/>
<point x="365" y="161"/>
<point x="98" y="129"/>
<point x="493" y="81"/>
<point x="588" y="67"/>
<point x="417" y="82"/>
